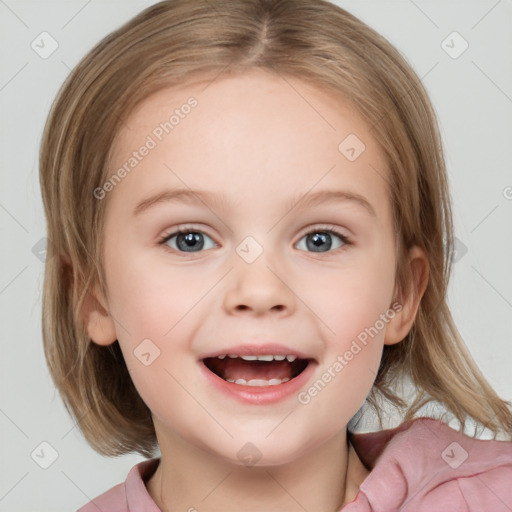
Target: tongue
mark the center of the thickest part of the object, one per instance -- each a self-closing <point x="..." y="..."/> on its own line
<point x="240" y="369"/>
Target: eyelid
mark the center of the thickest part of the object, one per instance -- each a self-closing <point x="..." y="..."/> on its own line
<point x="181" y="228"/>
<point x="323" y="227"/>
<point x="313" y="228"/>
<point x="305" y="231"/>
<point x="327" y="228"/>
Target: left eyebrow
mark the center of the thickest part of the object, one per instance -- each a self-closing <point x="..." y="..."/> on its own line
<point x="332" y="196"/>
<point x="220" y="202"/>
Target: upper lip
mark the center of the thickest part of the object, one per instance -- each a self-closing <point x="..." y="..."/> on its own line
<point x="252" y="349"/>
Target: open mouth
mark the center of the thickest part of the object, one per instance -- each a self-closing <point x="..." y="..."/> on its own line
<point x="261" y="370"/>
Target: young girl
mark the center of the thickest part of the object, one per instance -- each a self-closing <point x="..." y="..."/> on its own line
<point x="248" y="207"/>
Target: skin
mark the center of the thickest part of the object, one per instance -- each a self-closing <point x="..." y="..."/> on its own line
<point x="254" y="139"/>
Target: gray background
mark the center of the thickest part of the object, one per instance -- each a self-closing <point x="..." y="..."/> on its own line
<point x="471" y="93"/>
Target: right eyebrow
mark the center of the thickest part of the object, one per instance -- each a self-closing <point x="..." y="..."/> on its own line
<point x="180" y="195"/>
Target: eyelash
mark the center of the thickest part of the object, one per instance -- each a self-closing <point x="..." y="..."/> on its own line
<point x="186" y="230"/>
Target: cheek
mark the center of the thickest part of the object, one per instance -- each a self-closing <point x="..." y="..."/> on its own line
<point x="354" y="307"/>
<point x="149" y="300"/>
<point x="353" y="336"/>
<point x="340" y="388"/>
<point x="348" y="300"/>
<point x="155" y="309"/>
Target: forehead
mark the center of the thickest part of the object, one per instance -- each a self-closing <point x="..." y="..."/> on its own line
<point x="256" y="132"/>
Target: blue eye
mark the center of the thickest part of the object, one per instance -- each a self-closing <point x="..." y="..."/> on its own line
<point x="322" y="240"/>
<point x="187" y="241"/>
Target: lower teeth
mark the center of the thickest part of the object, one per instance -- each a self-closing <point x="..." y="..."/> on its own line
<point x="259" y="382"/>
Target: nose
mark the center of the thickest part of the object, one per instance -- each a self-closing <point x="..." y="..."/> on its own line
<point x="258" y="289"/>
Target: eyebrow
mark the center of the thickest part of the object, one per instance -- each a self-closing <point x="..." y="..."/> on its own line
<point x="219" y="202"/>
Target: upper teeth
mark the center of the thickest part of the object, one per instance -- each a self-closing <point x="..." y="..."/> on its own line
<point x="266" y="357"/>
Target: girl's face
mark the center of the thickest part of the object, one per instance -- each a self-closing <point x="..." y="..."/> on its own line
<point x="287" y="249"/>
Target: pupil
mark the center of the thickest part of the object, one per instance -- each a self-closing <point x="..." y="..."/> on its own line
<point x="190" y="239"/>
<point x="317" y="240"/>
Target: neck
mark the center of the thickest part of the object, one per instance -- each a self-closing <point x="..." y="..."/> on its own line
<point x="191" y="479"/>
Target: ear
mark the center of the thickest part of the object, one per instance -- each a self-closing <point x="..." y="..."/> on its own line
<point x="399" y="326"/>
<point x="97" y="321"/>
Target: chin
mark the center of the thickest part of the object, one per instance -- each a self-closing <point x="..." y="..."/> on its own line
<point x="253" y="451"/>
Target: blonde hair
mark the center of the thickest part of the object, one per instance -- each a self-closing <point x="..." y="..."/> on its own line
<point x="172" y="43"/>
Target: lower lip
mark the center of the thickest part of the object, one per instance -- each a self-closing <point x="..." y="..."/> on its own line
<point x="259" y="395"/>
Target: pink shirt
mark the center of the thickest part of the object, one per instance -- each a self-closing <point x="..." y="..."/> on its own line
<point x="421" y="466"/>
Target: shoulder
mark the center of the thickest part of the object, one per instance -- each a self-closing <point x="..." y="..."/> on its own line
<point x="431" y="466"/>
<point x="113" y="500"/>
<point x="461" y="472"/>
<point x="128" y="496"/>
